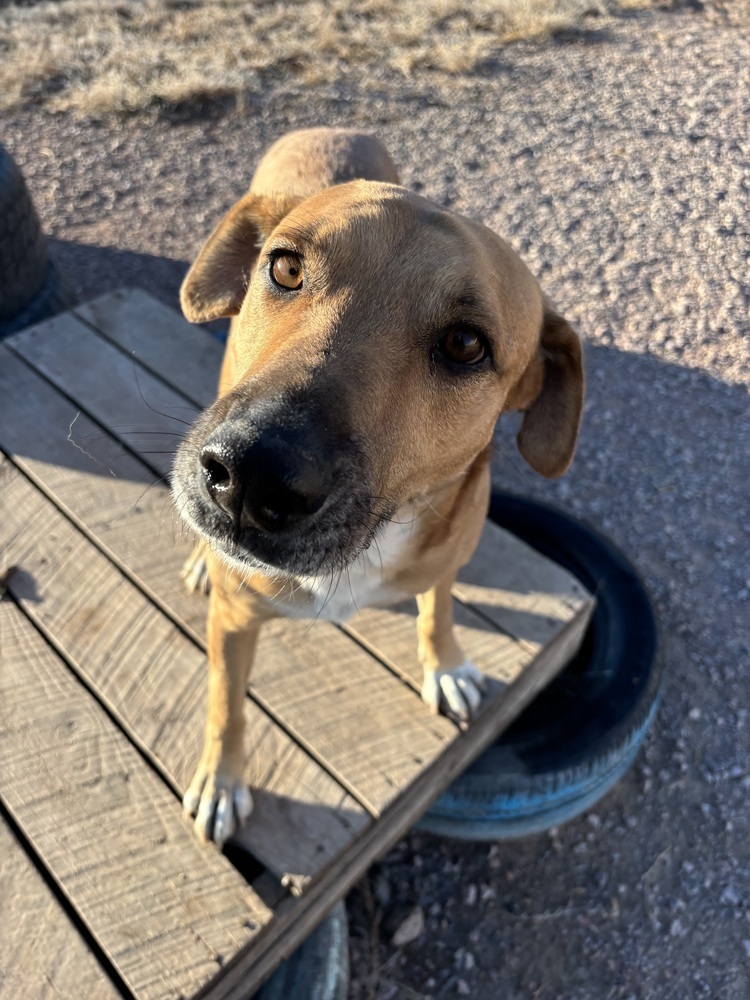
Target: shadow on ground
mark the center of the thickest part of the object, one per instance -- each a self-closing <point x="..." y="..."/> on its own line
<point x="95" y="270"/>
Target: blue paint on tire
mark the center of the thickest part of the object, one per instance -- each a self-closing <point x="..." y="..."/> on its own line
<point x="319" y="969"/>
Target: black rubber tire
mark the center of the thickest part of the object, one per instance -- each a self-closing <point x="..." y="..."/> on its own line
<point x="54" y="296"/>
<point x="319" y="969"/>
<point x="582" y="733"/>
<point x="23" y="252"/>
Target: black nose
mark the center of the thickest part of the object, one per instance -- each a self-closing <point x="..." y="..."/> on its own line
<point x="274" y="483"/>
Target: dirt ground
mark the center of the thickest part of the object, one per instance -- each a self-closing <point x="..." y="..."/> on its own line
<point x="617" y="163"/>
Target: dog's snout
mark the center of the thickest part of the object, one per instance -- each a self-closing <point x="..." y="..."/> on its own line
<point x="272" y="484"/>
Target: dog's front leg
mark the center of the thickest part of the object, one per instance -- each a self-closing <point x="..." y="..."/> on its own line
<point x="451" y="682"/>
<point x="218" y="797"/>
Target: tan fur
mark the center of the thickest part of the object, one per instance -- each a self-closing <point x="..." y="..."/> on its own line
<point x="383" y="268"/>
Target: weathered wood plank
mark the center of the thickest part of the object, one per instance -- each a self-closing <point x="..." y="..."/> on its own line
<point x="373" y="732"/>
<point x="137" y="407"/>
<point x="521" y="591"/>
<point x="153" y="678"/>
<point x="165" y="911"/>
<point x="391" y="633"/>
<point x="157" y="336"/>
<point x="98" y="483"/>
<point x="43" y="957"/>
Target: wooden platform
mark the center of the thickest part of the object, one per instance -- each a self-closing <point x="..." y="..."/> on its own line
<point x="103" y="889"/>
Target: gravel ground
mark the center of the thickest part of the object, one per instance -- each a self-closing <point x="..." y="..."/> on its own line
<point x="618" y="165"/>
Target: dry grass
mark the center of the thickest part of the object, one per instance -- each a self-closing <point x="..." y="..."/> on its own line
<point x="98" y="56"/>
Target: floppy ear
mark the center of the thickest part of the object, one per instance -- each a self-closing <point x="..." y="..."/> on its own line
<point x="217" y="282"/>
<point x="550" y="394"/>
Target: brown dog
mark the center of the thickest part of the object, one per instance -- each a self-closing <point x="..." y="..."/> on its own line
<point x="376" y="340"/>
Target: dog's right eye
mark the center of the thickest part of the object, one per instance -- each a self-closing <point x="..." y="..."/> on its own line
<point x="463" y="346"/>
<point x="286" y="271"/>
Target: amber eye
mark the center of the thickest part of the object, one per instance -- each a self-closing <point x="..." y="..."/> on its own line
<point x="463" y="346"/>
<point x="286" y="271"/>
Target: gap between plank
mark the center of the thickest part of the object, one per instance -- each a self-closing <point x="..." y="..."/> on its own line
<point x="108" y="710"/>
<point x="317" y="757"/>
<point x="107" y="966"/>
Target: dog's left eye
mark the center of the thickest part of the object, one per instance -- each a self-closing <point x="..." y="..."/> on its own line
<point x="286" y="271"/>
<point x="463" y="346"/>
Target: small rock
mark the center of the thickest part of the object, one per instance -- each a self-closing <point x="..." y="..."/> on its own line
<point x="409" y="929"/>
<point x="470" y="896"/>
<point x="730" y="896"/>
<point x="463" y="988"/>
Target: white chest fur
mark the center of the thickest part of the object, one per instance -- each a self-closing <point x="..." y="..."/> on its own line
<point x="337" y="597"/>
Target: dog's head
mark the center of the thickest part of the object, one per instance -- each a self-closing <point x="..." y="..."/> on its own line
<point x="378" y="337"/>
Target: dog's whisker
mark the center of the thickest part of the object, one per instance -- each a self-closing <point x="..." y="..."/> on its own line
<point x="133" y="433"/>
<point x="351" y="590"/>
<point x="154" y="483"/>
<point x="167" y="416"/>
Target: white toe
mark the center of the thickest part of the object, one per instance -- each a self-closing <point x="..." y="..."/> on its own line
<point x="224" y="822"/>
<point x="243" y="802"/>
<point x="454" y="697"/>
<point x="458" y="691"/>
<point x="190" y="801"/>
<point x="471" y="693"/>
<point x="204" y="816"/>
<point x="219" y="806"/>
<point x="431" y="691"/>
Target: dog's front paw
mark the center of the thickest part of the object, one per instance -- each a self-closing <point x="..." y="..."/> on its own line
<point x="219" y="802"/>
<point x="457" y="692"/>
<point x="195" y="572"/>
